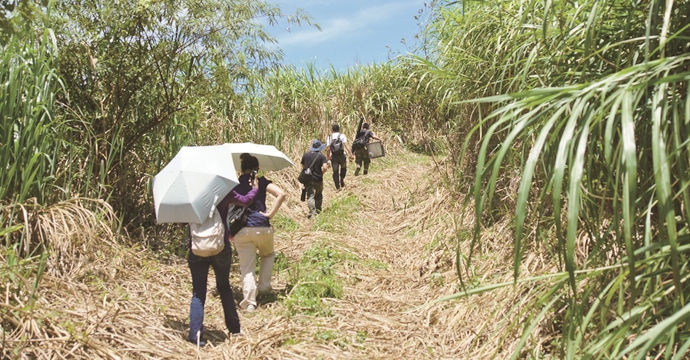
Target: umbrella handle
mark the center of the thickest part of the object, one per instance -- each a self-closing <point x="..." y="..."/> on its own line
<point x="215" y="201"/>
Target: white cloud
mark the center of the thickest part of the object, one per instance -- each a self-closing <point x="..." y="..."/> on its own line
<point x="346" y="25"/>
<point x="334" y="29"/>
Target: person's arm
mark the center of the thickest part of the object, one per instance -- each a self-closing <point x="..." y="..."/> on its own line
<point x="238" y="199"/>
<point x="235" y="198"/>
<point x="280" y="197"/>
<point x="347" y="149"/>
<point x="325" y="165"/>
<point x="376" y="137"/>
<point x="244" y="200"/>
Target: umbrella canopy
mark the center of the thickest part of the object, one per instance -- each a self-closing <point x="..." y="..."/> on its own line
<point x="192" y="184"/>
<point x="270" y="158"/>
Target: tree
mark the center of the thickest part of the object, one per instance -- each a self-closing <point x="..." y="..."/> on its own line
<point x="136" y="69"/>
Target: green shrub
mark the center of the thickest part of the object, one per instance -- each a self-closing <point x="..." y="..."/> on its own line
<point x="312" y="279"/>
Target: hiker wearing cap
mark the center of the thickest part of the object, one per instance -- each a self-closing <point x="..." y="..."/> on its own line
<point x="336" y="153"/>
<point x="318" y="164"/>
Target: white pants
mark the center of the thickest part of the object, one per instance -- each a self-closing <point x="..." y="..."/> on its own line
<point x="247" y="242"/>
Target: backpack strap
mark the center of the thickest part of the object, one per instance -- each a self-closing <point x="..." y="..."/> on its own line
<point x="316" y="156"/>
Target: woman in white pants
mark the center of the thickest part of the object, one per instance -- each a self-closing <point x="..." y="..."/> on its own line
<point x="257" y="234"/>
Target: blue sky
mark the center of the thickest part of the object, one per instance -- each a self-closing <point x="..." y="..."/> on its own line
<point x="352" y="31"/>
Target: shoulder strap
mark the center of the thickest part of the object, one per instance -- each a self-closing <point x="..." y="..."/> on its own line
<point x="316" y="156"/>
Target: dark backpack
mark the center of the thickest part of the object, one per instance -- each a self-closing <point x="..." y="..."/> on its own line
<point x="358" y="144"/>
<point x="305" y="176"/>
<point x="361" y="141"/>
<point x="237" y="218"/>
<point x="337" y="145"/>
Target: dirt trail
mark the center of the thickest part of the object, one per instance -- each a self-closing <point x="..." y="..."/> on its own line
<point x="128" y="302"/>
<point x="378" y="315"/>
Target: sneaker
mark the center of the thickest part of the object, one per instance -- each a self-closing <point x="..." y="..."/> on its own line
<point x="357" y="171"/>
<point x="342" y="184"/>
<point x="237" y="334"/>
<point x="267" y="291"/>
<point x="250" y="308"/>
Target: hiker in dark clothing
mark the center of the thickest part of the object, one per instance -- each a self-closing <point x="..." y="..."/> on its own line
<point x="359" y="147"/>
<point x="336" y="152"/>
<point x="319" y="165"/>
<point x="199" y="265"/>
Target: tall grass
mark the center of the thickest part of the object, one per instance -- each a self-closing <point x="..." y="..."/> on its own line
<point x="43" y="166"/>
<point x="589" y="103"/>
<point x="306" y="101"/>
<point x="28" y="82"/>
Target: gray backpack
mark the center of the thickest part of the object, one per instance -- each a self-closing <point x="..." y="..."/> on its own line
<point x="337" y="147"/>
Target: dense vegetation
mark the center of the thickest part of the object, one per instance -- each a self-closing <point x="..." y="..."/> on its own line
<point x="571" y="119"/>
<point x="587" y="106"/>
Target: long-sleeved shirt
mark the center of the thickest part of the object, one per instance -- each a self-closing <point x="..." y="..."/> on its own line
<point x="231" y="198"/>
<point x="255" y="218"/>
<point x="237" y="199"/>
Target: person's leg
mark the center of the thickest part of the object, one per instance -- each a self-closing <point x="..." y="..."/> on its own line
<point x="221" y="267"/>
<point x="246" y="251"/>
<point x="343" y="170"/>
<point x="367" y="161"/>
<point x="336" y="166"/>
<point x="264" y="243"/>
<point x="198" y="266"/>
<point x="358" y="161"/>
<point x="318" y="197"/>
<point x="311" y="200"/>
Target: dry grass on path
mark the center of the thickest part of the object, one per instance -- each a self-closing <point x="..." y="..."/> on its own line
<point x="399" y="251"/>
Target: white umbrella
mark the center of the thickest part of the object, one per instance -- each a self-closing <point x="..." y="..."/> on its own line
<point x="270" y="158"/>
<point x="192" y="184"/>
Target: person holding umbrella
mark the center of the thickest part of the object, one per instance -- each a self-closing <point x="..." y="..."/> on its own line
<point x="257" y="234"/>
<point x="186" y="189"/>
<point x="199" y="265"/>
